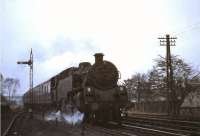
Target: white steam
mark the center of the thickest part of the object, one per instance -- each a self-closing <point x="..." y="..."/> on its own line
<point x="75" y="118"/>
<point x="70" y="118"/>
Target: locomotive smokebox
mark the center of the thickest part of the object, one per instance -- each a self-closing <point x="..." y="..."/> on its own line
<point x="103" y="74"/>
<point x="98" y="58"/>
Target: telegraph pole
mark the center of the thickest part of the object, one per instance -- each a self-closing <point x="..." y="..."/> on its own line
<point x="171" y="94"/>
<point x="30" y="64"/>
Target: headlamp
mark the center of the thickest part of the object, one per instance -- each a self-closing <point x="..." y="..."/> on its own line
<point x="88" y="89"/>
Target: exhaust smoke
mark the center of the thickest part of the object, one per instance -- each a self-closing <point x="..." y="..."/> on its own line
<point x="74" y="118"/>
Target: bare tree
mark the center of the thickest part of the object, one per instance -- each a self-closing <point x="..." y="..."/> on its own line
<point x="138" y="87"/>
<point x="157" y="83"/>
<point x="183" y="74"/>
<point x="10" y="86"/>
<point x="1" y="84"/>
<point x="152" y="86"/>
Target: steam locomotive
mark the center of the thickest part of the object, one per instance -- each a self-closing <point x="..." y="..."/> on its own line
<point x="92" y="89"/>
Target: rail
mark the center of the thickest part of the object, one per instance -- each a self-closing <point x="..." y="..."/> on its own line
<point x="12" y="123"/>
<point x="164" y="126"/>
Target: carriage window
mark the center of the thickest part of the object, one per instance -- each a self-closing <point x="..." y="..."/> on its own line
<point x="44" y="89"/>
<point x="48" y="89"/>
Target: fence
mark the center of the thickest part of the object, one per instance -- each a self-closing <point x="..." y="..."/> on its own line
<point x="150" y="107"/>
<point x="161" y="107"/>
<point x="190" y="111"/>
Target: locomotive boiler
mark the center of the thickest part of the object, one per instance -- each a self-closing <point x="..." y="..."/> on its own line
<point x="92" y="89"/>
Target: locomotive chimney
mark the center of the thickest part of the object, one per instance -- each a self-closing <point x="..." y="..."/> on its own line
<point x="98" y="58"/>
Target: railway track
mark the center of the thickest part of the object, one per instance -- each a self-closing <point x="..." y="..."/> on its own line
<point x="165" y="116"/>
<point x="156" y="130"/>
<point x="108" y="131"/>
<point x="133" y="130"/>
<point x="151" y="126"/>
<point x="129" y="127"/>
<point x="162" y="126"/>
<point x="13" y="127"/>
<point x="172" y="123"/>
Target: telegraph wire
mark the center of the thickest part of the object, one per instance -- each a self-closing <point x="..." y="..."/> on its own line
<point x="188" y="28"/>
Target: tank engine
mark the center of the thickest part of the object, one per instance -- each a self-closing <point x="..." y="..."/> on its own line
<point x="92" y="89"/>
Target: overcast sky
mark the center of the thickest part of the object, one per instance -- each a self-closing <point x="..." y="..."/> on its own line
<point x="63" y="33"/>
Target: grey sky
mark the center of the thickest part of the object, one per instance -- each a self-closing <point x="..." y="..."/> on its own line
<point x="63" y="33"/>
